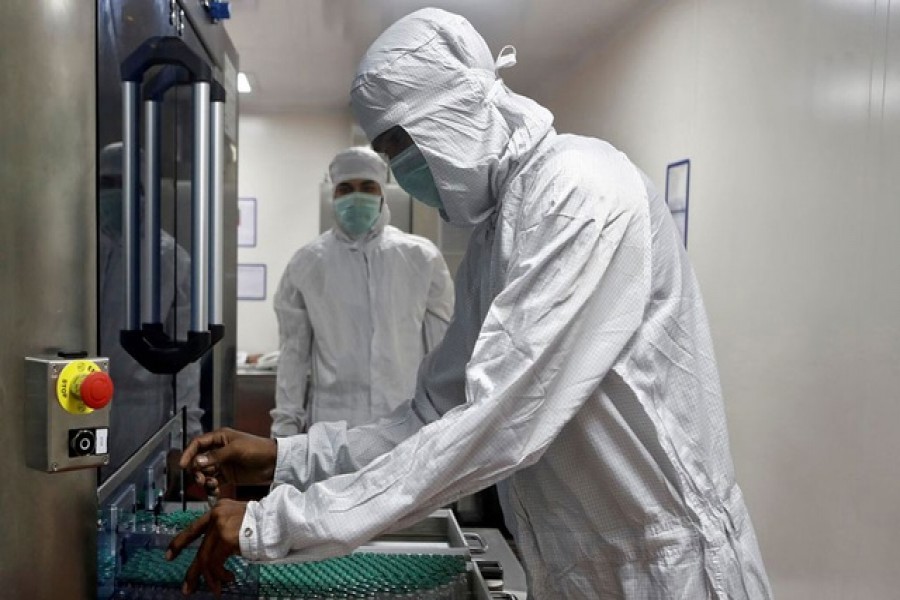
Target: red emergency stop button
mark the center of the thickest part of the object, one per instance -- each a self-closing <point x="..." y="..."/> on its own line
<point x="96" y="390"/>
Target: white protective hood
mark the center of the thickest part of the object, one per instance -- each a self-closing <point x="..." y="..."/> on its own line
<point x="358" y="162"/>
<point x="482" y="129"/>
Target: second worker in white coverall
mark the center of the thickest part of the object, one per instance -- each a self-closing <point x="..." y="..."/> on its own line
<point x="358" y="308"/>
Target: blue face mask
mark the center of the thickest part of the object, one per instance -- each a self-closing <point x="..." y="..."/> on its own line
<point x="357" y="212"/>
<point x="414" y="176"/>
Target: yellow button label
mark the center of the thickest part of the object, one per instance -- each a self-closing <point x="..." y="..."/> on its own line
<point x="70" y="380"/>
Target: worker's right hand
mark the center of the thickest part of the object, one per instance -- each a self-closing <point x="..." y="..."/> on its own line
<point x="219" y="528"/>
<point x="225" y="457"/>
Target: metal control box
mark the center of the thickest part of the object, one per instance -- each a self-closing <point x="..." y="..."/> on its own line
<point x="63" y="432"/>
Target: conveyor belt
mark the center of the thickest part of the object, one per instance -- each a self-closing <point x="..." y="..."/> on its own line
<point x="146" y="574"/>
<point x="143" y="572"/>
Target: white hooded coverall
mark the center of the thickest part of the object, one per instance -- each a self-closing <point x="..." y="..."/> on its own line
<point x="358" y="315"/>
<point x="578" y="369"/>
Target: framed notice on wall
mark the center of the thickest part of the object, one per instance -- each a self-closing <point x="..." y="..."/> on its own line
<point x="251" y="282"/>
<point x="678" y="186"/>
<point x="246" y="235"/>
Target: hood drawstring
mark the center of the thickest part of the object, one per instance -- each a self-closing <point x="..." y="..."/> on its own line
<point x="504" y="60"/>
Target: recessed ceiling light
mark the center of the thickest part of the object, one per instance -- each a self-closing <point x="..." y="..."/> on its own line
<point x="243" y="84"/>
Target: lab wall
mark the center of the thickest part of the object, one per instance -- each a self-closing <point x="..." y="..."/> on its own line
<point x="789" y="112"/>
<point x="284" y="158"/>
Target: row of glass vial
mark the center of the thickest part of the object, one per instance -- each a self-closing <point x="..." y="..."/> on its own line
<point x="457" y="589"/>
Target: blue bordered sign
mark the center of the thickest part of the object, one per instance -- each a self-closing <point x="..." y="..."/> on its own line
<point x="678" y="186"/>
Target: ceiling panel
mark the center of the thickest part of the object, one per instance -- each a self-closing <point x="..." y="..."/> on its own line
<point x="302" y="54"/>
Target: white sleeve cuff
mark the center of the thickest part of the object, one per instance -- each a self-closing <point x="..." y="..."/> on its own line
<point x="282" y="427"/>
<point x="249" y="536"/>
<point x="291" y="452"/>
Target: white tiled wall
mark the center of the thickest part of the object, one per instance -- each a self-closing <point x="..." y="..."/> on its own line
<point x="283" y="158"/>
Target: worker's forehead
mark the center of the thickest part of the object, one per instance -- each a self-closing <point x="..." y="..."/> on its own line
<point x="392" y="142"/>
<point x="357" y="182"/>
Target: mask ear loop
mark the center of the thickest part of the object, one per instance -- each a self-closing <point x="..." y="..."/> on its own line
<point x="505" y="59"/>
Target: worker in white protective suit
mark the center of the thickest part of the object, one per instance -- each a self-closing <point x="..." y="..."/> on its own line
<point x="578" y="369"/>
<point x="144" y="401"/>
<point x="357" y="308"/>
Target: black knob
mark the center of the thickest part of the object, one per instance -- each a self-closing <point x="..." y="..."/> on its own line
<point x="81" y="442"/>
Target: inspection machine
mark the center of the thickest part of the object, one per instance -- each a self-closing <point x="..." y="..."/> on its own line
<point x="157" y="77"/>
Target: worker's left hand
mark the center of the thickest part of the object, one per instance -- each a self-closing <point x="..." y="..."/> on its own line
<point x="226" y="457"/>
<point x="220" y="528"/>
<point x="192" y="491"/>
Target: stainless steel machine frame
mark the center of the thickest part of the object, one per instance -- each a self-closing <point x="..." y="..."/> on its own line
<point x="48" y="264"/>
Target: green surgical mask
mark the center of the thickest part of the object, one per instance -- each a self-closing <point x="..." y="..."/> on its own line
<point x="110" y="210"/>
<point x="357" y="212"/>
<point x="414" y="176"/>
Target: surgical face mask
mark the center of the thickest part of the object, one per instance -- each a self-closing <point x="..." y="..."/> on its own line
<point x="357" y="212"/>
<point x="415" y="177"/>
<point x="110" y="210"/>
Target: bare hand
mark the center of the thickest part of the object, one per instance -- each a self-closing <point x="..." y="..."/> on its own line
<point x="226" y="457"/>
<point x="220" y="526"/>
